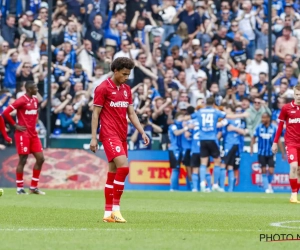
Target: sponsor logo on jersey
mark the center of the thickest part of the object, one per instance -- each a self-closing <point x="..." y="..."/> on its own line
<point x="114" y="93"/>
<point x="293" y="112"/>
<point x="295" y="120"/>
<point x="119" y="104"/>
<point x="31" y="112"/>
<point x="266" y="136"/>
<point x="118" y="149"/>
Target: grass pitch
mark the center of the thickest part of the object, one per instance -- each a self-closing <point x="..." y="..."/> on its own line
<point x="156" y="220"/>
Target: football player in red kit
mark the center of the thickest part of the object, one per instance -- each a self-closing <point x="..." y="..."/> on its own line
<point x="290" y="115"/>
<point x="26" y="137"/>
<point x="112" y="103"/>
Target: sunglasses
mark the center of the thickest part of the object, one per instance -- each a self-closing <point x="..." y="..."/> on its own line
<point x="234" y="25"/>
<point x="102" y="52"/>
<point x="256" y="102"/>
<point x="225" y="13"/>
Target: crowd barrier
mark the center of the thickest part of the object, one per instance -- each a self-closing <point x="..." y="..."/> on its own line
<point x="149" y="170"/>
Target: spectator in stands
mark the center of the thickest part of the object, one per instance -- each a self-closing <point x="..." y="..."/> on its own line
<point x="9" y="31"/>
<point x="286" y="44"/>
<point x="255" y="112"/>
<point x="11" y="63"/>
<point x="149" y="128"/>
<point x="257" y="66"/>
<point x="69" y="120"/>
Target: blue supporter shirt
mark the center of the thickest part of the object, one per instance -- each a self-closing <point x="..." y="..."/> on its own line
<point x="266" y="137"/>
<point x="10" y="74"/>
<point x="192" y="21"/>
<point x="232" y="138"/>
<point x="195" y="146"/>
<point x="208" y="118"/>
<point x="175" y="141"/>
<point x="186" y="143"/>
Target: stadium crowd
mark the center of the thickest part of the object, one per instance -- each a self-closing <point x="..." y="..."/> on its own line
<point x="184" y="52"/>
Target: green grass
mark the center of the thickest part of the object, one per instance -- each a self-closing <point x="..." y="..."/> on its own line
<point x="156" y="220"/>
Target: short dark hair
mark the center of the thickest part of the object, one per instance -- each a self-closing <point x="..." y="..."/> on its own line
<point x="287" y="28"/>
<point x="120" y="11"/>
<point x="28" y="84"/>
<point x="231" y="107"/>
<point x="263" y="73"/>
<point x="122" y="63"/>
<point x="267" y="114"/>
<point x="190" y="110"/>
<point x="210" y="101"/>
<point x="77" y="66"/>
<point x="10" y="16"/>
<point x="98" y="66"/>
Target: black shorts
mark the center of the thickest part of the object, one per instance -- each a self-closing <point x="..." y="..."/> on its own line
<point x="174" y="158"/>
<point x="232" y="157"/>
<point x="266" y="161"/>
<point x="209" y="148"/>
<point x="195" y="160"/>
<point x="186" y="158"/>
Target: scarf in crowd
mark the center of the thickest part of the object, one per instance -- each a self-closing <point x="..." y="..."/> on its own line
<point x="72" y="38"/>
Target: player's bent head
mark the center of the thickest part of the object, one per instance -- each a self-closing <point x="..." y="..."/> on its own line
<point x="121" y="68"/>
<point x="122" y="63"/>
<point x="31" y="87"/>
<point x="210" y="101"/>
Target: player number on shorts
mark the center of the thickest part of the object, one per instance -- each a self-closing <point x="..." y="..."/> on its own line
<point x="237" y="161"/>
<point x="207" y="120"/>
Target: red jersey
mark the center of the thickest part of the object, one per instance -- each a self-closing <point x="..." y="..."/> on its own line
<point x="290" y="114"/>
<point x="114" y="102"/>
<point x="27" y="113"/>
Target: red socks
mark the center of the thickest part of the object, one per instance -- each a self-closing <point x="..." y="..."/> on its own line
<point x="35" y="178"/>
<point x="119" y="186"/>
<point x="3" y="131"/>
<point x="19" y="180"/>
<point x="294" y="185"/>
<point x="109" y="191"/>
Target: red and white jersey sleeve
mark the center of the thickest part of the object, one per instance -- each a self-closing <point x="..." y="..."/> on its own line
<point x="99" y="95"/>
<point x="290" y="114"/>
<point x="283" y="114"/>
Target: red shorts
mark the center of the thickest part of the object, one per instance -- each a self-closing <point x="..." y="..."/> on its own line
<point x="26" y="145"/>
<point x="293" y="154"/>
<point x="113" y="148"/>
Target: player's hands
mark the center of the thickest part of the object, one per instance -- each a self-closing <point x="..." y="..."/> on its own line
<point x="146" y="139"/>
<point x="94" y="145"/>
<point x="274" y="148"/>
<point x="20" y="128"/>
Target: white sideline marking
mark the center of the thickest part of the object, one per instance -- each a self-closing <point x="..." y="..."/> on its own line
<point x="282" y="224"/>
<point x="130" y="229"/>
